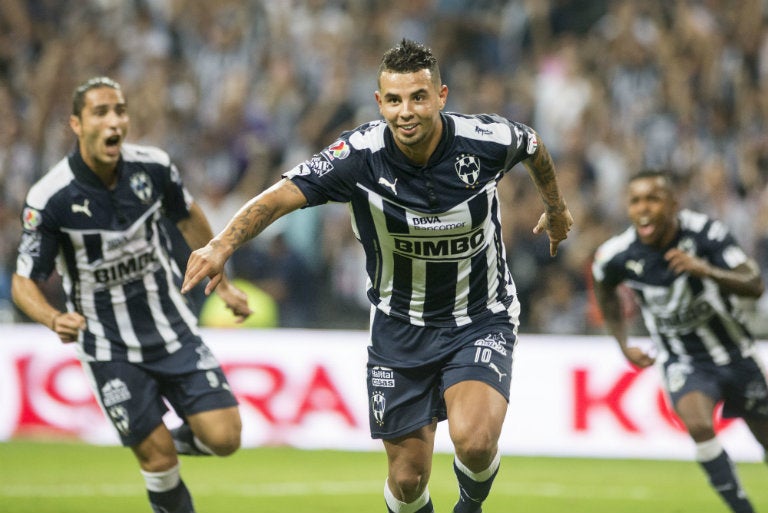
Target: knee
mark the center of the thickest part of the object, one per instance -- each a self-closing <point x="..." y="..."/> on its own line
<point x="700" y="430"/>
<point x="476" y="450"/>
<point x="408" y="486"/>
<point x="225" y="441"/>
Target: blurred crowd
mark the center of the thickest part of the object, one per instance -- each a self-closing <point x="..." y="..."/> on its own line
<point x="238" y="91"/>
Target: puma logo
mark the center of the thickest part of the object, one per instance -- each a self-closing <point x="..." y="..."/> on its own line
<point x="636" y="266"/>
<point x="497" y="370"/>
<point x="82" y="209"/>
<point x="383" y="181"/>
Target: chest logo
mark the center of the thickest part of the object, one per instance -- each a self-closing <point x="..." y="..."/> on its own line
<point x="141" y="186"/>
<point x="636" y="266"/>
<point x="82" y="209"/>
<point x="383" y="181"/>
<point x="468" y="168"/>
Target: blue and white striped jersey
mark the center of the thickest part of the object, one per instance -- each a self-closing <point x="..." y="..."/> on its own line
<point x="686" y="316"/>
<point x="431" y="234"/>
<point x="112" y="252"/>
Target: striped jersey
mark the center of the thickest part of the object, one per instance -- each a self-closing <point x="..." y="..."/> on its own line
<point x="686" y="316"/>
<point x="431" y="234"/>
<point x="112" y="252"/>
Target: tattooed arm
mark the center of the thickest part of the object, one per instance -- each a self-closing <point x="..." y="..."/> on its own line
<point x="556" y="219"/>
<point x="252" y="218"/>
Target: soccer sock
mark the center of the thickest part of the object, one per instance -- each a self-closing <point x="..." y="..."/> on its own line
<point x="187" y="443"/>
<point x="474" y="487"/>
<point x="722" y="475"/>
<point x="421" y="505"/>
<point x="167" y="492"/>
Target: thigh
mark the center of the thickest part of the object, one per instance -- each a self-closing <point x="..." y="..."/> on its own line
<point x="682" y="378"/>
<point x="215" y="427"/>
<point x="156" y="452"/>
<point x="411" y="455"/>
<point x="483" y="354"/>
<point x="402" y="400"/>
<point x="475" y="411"/>
<point x="746" y="390"/>
<point x="129" y="396"/>
<point x="193" y="382"/>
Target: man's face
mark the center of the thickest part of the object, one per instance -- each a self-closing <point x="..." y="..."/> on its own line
<point x="653" y="210"/>
<point x="101" y="127"/>
<point x="410" y="104"/>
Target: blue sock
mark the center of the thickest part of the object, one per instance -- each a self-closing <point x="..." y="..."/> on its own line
<point x="722" y="475"/>
<point x="474" y="487"/>
<point x="167" y="492"/>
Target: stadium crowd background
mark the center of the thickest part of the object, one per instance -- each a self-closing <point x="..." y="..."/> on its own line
<point x="240" y="90"/>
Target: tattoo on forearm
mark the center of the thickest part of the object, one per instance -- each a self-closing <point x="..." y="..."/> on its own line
<point x="251" y="221"/>
<point x="542" y="170"/>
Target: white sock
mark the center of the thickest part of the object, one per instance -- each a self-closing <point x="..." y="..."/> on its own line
<point x="162" y="481"/>
<point x="709" y="450"/>
<point x="483" y="475"/>
<point x="398" y="506"/>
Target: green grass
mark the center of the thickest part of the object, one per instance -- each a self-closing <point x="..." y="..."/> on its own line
<point x="78" y="478"/>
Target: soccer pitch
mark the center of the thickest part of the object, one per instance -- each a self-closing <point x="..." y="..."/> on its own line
<point x="43" y="477"/>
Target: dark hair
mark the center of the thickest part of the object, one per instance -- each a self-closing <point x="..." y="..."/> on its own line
<point x="655" y="173"/>
<point x="410" y="57"/>
<point x="78" y="98"/>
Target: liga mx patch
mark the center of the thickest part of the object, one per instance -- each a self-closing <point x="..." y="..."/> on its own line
<point x="31" y="218"/>
<point x="338" y="150"/>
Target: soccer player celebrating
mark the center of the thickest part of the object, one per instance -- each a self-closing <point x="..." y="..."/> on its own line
<point x="96" y="216"/>
<point x="686" y="270"/>
<point x="422" y="189"/>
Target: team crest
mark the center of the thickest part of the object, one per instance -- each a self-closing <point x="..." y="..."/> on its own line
<point x="378" y="405"/>
<point x="468" y="168"/>
<point x="142" y="186"/>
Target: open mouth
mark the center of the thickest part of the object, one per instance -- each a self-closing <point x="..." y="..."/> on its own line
<point x="645" y="228"/>
<point x="112" y="140"/>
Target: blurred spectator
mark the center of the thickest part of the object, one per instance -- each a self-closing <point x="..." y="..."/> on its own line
<point x="240" y="89"/>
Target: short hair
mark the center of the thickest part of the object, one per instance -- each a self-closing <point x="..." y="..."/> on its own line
<point x="410" y="57"/>
<point x="656" y="173"/>
<point x="78" y="97"/>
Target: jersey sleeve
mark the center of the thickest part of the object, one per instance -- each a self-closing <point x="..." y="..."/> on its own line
<point x="39" y="244"/>
<point x="524" y="144"/>
<point x="176" y="198"/>
<point x="605" y="269"/>
<point x="720" y="247"/>
<point x="328" y="176"/>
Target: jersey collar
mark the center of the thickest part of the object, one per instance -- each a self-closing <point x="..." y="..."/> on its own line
<point x="85" y="174"/>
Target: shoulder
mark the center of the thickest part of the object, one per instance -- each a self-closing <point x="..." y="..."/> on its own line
<point x="614" y="247"/>
<point x="703" y="226"/>
<point x="145" y="154"/>
<point x="58" y="178"/>
<point x="486" y="127"/>
<point x="368" y="136"/>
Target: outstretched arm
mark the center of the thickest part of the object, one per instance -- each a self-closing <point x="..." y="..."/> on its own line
<point x="556" y="219"/>
<point x="196" y="231"/>
<point x="610" y="305"/>
<point x="252" y="218"/>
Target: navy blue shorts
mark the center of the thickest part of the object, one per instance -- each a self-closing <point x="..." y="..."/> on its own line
<point x="741" y="385"/>
<point x="410" y="367"/>
<point x="133" y="394"/>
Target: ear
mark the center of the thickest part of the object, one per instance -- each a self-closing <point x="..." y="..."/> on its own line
<point x="443" y="96"/>
<point x="75" y="125"/>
